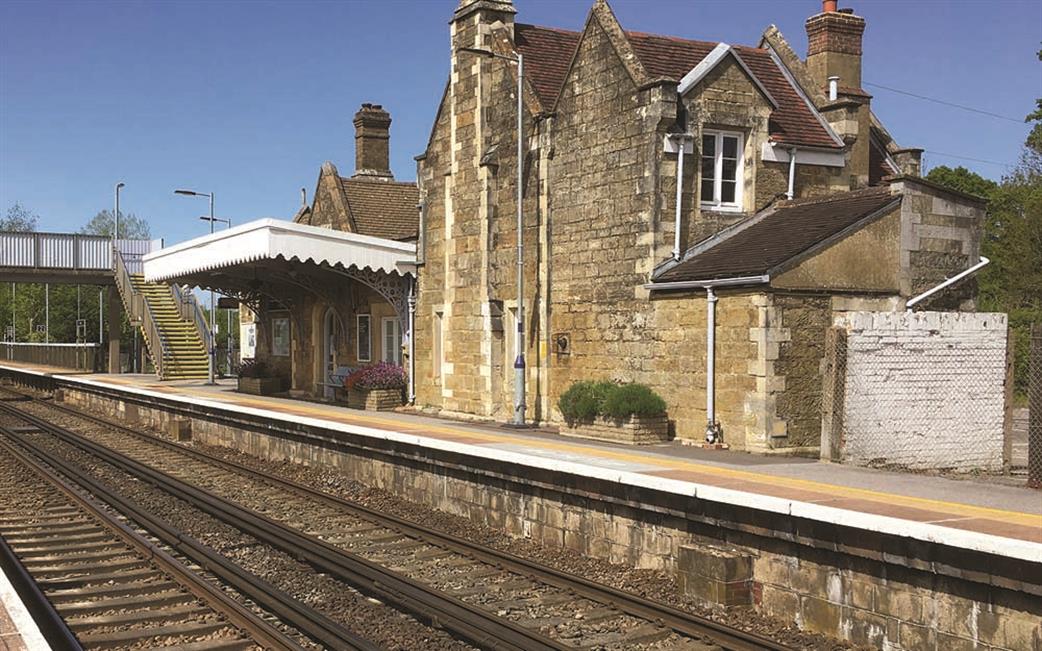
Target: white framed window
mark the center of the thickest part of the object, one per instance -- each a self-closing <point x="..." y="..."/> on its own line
<point x="722" y="173"/>
<point x="280" y="337"/>
<point x="392" y="340"/>
<point x="364" y="328"/>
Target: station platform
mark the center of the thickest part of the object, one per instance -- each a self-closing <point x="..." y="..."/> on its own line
<point x="971" y="514"/>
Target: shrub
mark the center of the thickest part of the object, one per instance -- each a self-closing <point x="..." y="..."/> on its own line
<point x="254" y="368"/>
<point x="585" y="400"/>
<point x="627" y="400"/>
<point x="376" y="376"/>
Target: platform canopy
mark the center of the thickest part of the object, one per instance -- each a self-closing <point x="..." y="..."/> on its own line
<point x="279" y="259"/>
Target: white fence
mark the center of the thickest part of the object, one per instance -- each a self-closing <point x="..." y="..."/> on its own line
<point x="917" y="390"/>
<point x="72" y="251"/>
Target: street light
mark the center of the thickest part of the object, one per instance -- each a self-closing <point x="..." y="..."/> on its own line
<point x="212" y="353"/>
<point x="115" y="215"/>
<point x="228" y="313"/>
<point x="519" y="362"/>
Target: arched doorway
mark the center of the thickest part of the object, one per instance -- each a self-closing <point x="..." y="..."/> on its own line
<point x="329" y="365"/>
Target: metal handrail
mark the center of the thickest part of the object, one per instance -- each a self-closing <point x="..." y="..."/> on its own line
<point x="139" y="310"/>
<point x="190" y="310"/>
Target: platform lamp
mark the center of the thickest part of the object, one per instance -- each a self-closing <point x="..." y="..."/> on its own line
<point x="115" y="216"/>
<point x="519" y="362"/>
<point x="228" y="348"/>
<point x="212" y="353"/>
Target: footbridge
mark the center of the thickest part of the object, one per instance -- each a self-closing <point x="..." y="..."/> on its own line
<point x="170" y="320"/>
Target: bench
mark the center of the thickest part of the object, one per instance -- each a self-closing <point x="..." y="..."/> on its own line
<point x="336" y="379"/>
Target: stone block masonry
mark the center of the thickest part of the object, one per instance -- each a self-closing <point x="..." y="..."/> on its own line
<point x="920" y="390"/>
<point x="870" y="588"/>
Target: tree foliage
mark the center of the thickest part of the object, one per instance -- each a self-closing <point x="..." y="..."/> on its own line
<point x="131" y="226"/>
<point x="19" y="219"/>
<point x="1012" y="240"/>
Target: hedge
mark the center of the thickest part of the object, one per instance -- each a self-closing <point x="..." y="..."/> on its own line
<point x="585" y="400"/>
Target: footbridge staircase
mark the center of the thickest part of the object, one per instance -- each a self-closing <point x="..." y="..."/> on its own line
<point x="171" y="323"/>
<point x="168" y="316"/>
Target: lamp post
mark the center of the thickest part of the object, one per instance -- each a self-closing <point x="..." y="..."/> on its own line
<point x="519" y="361"/>
<point x="228" y="347"/>
<point x="115" y="216"/>
<point x="212" y="353"/>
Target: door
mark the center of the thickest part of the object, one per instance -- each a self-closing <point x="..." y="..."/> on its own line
<point x="392" y="341"/>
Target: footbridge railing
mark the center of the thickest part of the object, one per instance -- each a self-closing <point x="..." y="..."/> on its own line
<point x="69" y="251"/>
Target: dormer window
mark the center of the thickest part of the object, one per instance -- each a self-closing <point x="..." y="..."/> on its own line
<point x="722" y="170"/>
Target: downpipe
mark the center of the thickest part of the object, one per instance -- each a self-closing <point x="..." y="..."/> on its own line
<point x="714" y="434"/>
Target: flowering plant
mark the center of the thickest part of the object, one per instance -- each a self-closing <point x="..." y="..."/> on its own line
<point x="376" y="376"/>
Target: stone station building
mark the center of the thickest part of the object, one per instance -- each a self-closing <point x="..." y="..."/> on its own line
<point x="665" y="178"/>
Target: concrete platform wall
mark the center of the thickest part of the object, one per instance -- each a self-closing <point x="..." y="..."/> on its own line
<point x="885" y="591"/>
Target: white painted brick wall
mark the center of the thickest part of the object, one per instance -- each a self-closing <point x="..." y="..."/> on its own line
<point x="924" y="390"/>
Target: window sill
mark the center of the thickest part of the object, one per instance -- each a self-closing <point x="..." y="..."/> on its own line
<point x="712" y="207"/>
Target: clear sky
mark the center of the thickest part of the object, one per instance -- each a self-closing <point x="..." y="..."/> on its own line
<point x="248" y="98"/>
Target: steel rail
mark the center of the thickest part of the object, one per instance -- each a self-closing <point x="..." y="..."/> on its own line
<point x="288" y="609"/>
<point x="730" y="638"/>
<point x="51" y="625"/>
<point x="433" y="606"/>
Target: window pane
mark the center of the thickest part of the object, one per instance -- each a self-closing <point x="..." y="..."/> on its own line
<point x="727" y="191"/>
<point x="709" y="146"/>
<point x="707" y="190"/>
<point x="730" y="147"/>
<point x="730" y="170"/>
<point x="708" y="168"/>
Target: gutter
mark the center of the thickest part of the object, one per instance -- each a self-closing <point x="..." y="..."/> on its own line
<point x="951" y="281"/>
<point x="706" y="284"/>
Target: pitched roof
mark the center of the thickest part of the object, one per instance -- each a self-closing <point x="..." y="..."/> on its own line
<point x="548" y="53"/>
<point x="383" y="208"/>
<point x="761" y="243"/>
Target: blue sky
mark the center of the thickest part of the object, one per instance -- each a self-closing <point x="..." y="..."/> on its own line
<point x="248" y="98"/>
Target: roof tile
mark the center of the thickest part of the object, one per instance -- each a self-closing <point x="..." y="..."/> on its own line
<point x="383" y="208"/>
<point x="548" y="53"/>
<point x="768" y="240"/>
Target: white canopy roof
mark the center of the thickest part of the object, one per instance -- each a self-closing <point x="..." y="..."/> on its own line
<point x="271" y="239"/>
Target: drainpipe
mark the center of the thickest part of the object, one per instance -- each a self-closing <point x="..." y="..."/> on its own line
<point x="712" y="426"/>
<point x="951" y="281"/>
<point x="412" y="341"/>
<point x="680" y="138"/>
<point x="792" y="174"/>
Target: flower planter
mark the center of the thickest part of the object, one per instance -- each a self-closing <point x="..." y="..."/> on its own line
<point x="637" y="430"/>
<point x="374" y="399"/>
<point x="260" y="386"/>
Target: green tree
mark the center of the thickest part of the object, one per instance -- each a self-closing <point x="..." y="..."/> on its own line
<point x="963" y="180"/>
<point x="130" y="226"/>
<point x="19" y="219"/>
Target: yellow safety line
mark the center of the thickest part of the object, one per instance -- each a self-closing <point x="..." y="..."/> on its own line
<point x="954" y="508"/>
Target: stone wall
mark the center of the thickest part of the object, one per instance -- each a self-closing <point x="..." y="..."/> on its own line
<point x="922" y="390"/>
<point x="854" y="584"/>
<point x="940" y="236"/>
<point x="468" y="184"/>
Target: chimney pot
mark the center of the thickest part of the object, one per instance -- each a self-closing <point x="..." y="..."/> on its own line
<point x="828" y="6"/>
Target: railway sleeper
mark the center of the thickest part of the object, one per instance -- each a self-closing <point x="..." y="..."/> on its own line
<point x="166" y="598"/>
<point x="129" y="618"/>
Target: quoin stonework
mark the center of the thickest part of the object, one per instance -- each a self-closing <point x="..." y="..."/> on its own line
<point x="795" y="204"/>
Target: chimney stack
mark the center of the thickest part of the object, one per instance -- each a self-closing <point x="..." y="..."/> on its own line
<point x="834" y="45"/>
<point x="372" y="142"/>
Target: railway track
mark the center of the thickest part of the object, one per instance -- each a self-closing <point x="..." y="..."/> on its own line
<point x="94" y="583"/>
<point x="403" y="562"/>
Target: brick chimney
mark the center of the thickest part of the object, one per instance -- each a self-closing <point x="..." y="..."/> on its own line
<point x="372" y="142"/>
<point x="834" y="46"/>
